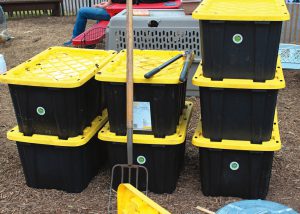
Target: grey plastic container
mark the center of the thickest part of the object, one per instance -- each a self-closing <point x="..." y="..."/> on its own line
<point x="161" y="30"/>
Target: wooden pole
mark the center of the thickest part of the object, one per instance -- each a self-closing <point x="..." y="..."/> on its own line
<point x="129" y="84"/>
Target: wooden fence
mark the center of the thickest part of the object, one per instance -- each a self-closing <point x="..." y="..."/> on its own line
<point x="291" y="29"/>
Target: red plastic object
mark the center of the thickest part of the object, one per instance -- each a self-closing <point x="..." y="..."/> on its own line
<point x="91" y="36"/>
<point x="117" y="8"/>
<point x="94" y="34"/>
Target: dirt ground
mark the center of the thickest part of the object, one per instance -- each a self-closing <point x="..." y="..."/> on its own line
<point x="36" y="34"/>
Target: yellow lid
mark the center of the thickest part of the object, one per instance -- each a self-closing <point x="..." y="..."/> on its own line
<point x="144" y="61"/>
<point x="273" y="145"/>
<point x="277" y="83"/>
<point x="244" y="10"/>
<point x="175" y="139"/>
<point x="15" y="135"/>
<point x="58" y="67"/>
<point x="131" y="200"/>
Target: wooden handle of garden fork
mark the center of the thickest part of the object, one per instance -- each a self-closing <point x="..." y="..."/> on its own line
<point x="129" y="84"/>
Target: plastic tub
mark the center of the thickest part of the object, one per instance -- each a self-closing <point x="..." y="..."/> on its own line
<point x="238" y="109"/>
<point x="159" y="100"/>
<point x="235" y="168"/>
<point x="51" y="163"/>
<point x="240" y="39"/>
<point x="55" y="93"/>
<point x="163" y="157"/>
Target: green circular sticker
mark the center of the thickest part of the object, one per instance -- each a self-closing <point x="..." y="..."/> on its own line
<point x="40" y="111"/>
<point x="234" y="165"/>
<point x="237" y="38"/>
<point x="141" y="159"/>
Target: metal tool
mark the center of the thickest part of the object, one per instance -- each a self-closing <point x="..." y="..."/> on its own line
<point x="187" y="64"/>
<point x="129" y="170"/>
<point x="159" y="68"/>
<point x="184" y="72"/>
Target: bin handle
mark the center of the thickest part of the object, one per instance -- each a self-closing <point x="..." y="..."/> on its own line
<point x="159" y="68"/>
<point x="187" y="63"/>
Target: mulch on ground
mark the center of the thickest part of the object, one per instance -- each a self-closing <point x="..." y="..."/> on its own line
<point x="35" y="35"/>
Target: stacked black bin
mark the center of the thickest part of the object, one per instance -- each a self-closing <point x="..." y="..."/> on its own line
<point x="238" y="78"/>
<point x="163" y="157"/>
<point x="52" y="163"/>
<point x="164" y="92"/>
<point x="59" y="108"/>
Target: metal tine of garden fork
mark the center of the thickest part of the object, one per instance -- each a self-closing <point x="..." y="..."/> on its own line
<point x="123" y="167"/>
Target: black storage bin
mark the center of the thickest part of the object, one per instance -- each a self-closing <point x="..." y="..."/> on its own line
<point x="64" y="168"/>
<point x="164" y="93"/>
<point x="240" y="40"/>
<point x="69" y="165"/>
<point x="236" y="168"/>
<point x="55" y="93"/>
<point x="250" y="180"/>
<point x="254" y="58"/>
<point x="163" y="162"/>
<point x="64" y="112"/>
<point x="163" y="157"/>
<point x="237" y="109"/>
<point x="166" y="104"/>
<point x="237" y="114"/>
